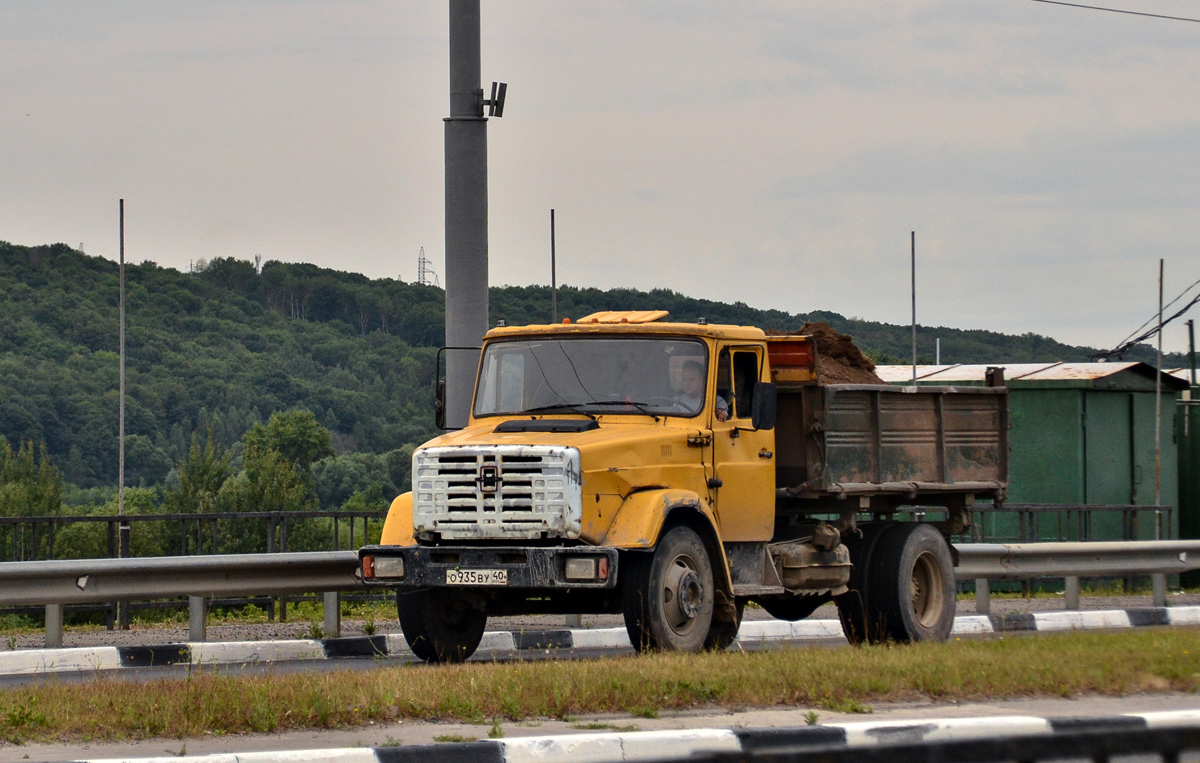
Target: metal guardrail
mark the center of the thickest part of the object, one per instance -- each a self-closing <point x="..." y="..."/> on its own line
<point x="58" y="582"/>
<point x="984" y="562"/>
<point x="86" y="581"/>
<point x="1020" y="561"/>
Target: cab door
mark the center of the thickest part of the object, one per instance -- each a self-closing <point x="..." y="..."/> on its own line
<point x="743" y="459"/>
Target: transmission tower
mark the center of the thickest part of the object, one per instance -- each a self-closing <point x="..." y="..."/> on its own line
<point x="425" y="274"/>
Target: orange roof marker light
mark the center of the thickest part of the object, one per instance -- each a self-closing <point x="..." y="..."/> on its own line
<point x="625" y="316"/>
<point x="566" y="320"/>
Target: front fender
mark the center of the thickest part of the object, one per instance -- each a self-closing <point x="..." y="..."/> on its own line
<point x="398" y="527"/>
<point x="641" y="516"/>
<point x="640" y="521"/>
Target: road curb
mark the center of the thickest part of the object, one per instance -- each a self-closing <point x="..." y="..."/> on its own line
<point x="682" y="744"/>
<point x="208" y="653"/>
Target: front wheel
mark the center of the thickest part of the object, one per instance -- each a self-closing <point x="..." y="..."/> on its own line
<point x="667" y="597"/>
<point x="440" y="625"/>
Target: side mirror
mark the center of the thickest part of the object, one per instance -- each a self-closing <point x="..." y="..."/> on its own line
<point x="762" y="413"/>
<point x="439" y="404"/>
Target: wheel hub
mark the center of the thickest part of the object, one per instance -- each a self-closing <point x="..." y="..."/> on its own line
<point x="683" y="594"/>
<point x="690" y="595"/>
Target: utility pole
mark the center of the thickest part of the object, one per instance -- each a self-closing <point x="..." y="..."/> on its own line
<point x="914" y="306"/>
<point x="553" y="275"/>
<point x="1158" y="528"/>
<point x="123" y="524"/>
<point x="466" y="211"/>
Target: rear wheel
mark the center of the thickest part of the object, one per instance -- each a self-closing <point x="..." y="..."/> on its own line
<point x="667" y="596"/>
<point x="913" y="593"/>
<point x="852" y="605"/>
<point x="440" y="625"/>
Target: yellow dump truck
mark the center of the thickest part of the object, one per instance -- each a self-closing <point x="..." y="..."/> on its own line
<point x="673" y="472"/>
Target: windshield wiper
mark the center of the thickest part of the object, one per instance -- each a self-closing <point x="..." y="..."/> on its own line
<point x="569" y="407"/>
<point x="631" y="403"/>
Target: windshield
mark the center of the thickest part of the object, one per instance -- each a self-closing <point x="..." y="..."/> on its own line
<point x="593" y="375"/>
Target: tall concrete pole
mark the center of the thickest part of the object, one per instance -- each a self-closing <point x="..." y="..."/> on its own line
<point x="466" y="211"/>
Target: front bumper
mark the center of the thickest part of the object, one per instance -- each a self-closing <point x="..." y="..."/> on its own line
<point x="526" y="567"/>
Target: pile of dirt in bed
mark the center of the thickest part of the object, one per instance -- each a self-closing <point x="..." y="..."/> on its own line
<point x="839" y="361"/>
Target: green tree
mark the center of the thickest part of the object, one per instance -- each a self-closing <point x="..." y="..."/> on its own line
<point x="29" y="485"/>
<point x="268" y="483"/>
<point x="201" y="477"/>
<point x="295" y="435"/>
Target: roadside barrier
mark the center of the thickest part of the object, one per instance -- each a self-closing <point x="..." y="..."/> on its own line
<point x="56" y="583"/>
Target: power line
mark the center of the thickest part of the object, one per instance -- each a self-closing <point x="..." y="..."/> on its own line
<point x="1118" y="10"/>
<point x="1119" y="351"/>
<point x="1153" y="318"/>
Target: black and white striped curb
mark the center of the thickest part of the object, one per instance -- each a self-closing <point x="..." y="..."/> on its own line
<point x="673" y="745"/>
<point x="87" y="659"/>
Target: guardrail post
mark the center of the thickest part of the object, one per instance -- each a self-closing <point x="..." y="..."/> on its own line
<point x="1158" y="582"/>
<point x="1072" y="592"/>
<point x="983" y="596"/>
<point x="54" y="626"/>
<point x="333" y="614"/>
<point x="197" y="618"/>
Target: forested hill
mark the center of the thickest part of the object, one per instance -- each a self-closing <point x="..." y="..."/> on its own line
<point x="225" y="347"/>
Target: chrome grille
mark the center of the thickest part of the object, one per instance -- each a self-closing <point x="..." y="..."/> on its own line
<point x="500" y="491"/>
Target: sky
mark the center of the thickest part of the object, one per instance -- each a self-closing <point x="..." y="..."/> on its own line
<point x="774" y="153"/>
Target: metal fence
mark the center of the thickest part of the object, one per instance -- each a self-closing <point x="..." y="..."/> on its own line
<point x="1067" y="522"/>
<point x="33" y="538"/>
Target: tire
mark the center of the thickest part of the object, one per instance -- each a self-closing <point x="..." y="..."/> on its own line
<point x="667" y="597"/>
<point x="440" y="625"/>
<point x="912" y="585"/>
<point x="793" y="608"/>
<point x="853" y="605"/>
<point x="721" y="635"/>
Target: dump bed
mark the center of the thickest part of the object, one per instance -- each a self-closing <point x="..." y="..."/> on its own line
<point x="876" y="439"/>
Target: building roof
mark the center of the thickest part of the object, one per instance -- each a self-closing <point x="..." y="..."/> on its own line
<point x="1102" y="375"/>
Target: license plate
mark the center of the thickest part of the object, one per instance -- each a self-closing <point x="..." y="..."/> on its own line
<point x="476" y="577"/>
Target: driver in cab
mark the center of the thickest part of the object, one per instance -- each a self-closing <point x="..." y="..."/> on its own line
<point x="691" y="395"/>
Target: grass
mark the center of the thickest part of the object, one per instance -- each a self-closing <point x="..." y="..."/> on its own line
<point x="844" y="680"/>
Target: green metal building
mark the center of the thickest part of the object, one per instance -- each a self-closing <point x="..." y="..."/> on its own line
<point x="1082" y="434"/>
<point x="1188" y="433"/>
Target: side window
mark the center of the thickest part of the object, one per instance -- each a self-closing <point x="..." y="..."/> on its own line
<point x="500" y="384"/>
<point x="745" y="378"/>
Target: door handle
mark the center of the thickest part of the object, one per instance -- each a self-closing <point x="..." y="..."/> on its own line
<point x="764" y="453"/>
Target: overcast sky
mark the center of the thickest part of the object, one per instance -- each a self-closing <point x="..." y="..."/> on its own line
<point x="776" y="153"/>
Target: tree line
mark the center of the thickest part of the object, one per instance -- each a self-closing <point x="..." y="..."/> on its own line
<point x="215" y="354"/>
